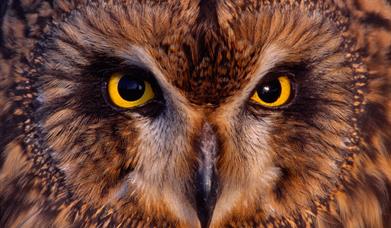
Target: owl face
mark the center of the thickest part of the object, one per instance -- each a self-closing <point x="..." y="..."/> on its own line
<point x="196" y="114"/>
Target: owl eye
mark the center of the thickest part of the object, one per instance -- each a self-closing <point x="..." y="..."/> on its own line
<point x="273" y="93"/>
<point x="128" y="91"/>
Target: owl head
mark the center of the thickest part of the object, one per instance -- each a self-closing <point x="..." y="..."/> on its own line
<point x="194" y="113"/>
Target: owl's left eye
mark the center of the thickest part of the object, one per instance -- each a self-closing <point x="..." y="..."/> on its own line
<point x="128" y="91"/>
<point x="273" y="93"/>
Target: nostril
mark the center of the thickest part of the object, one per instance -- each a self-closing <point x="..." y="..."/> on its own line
<point x="206" y="179"/>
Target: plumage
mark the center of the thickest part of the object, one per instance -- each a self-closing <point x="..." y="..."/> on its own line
<point x="200" y="152"/>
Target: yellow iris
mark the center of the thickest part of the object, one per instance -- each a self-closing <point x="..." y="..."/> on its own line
<point x="127" y="92"/>
<point x="273" y="94"/>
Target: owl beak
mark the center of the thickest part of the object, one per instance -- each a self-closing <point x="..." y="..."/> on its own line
<point x="206" y="178"/>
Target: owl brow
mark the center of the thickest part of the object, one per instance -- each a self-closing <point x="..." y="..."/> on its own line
<point x="102" y="66"/>
<point x="292" y="67"/>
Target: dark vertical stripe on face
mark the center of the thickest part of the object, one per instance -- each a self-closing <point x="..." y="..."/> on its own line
<point x="208" y="11"/>
<point x="3" y="8"/>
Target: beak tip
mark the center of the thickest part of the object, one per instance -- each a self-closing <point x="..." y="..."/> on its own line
<point x="206" y="195"/>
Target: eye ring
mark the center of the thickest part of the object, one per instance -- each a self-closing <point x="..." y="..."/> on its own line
<point x="126" y="91"/>
<point x="273" y="93"/>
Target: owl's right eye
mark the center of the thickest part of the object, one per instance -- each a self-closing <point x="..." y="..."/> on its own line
<point x="127" y="91"/>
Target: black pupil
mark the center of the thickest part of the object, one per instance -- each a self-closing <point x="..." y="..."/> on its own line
<point x="131" y="89"/>
<point x="270" y="92"/>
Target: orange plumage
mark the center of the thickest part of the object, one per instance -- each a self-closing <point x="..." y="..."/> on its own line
<point x="196" y="150"/>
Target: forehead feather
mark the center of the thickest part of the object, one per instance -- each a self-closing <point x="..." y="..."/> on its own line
<point x="208" y="50"/>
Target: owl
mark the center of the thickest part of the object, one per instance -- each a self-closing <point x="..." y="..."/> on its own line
<point x="195" y="113"/>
